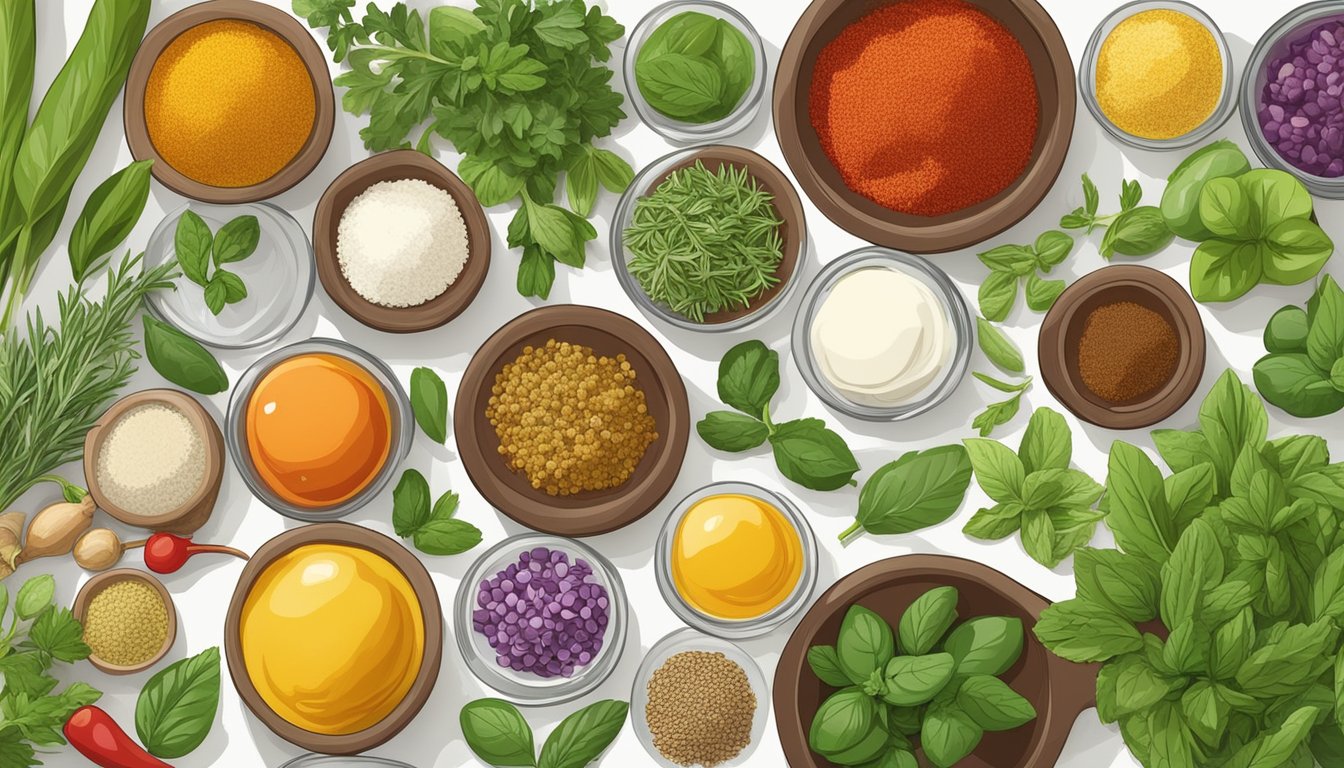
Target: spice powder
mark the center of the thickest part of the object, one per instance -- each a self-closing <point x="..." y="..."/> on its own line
<point x="700" y="709"/>
<point x="1159" y="74"/>
<point x="126" y="623"/>
<point x="1127" y="351"/>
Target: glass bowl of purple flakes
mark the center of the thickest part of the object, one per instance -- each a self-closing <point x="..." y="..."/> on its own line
<point x="1292" y="97"/>
<point x="541" y="618"/>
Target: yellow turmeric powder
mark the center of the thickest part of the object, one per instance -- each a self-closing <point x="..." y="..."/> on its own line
<point x="229" y="103"/>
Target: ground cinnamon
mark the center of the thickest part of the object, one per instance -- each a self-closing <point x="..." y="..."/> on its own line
<point x="1127" y="351"/>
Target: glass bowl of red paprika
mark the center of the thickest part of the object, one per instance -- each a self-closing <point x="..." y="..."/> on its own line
<point x="695" y="71"/>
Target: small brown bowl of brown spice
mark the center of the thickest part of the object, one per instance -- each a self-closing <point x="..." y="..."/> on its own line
<point x="572" y="420"/>
<point x="1123" y="348"/>
<point x="129" y="620"/>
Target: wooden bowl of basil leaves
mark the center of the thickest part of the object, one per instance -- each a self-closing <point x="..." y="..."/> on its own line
<point x="1057" y="689"/>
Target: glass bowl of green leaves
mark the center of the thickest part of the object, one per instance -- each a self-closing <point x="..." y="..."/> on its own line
<point x="709" y="238"/>
<point x="695" y="71"/>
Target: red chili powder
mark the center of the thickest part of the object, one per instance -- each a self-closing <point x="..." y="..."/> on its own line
<point x="925" y="107"/>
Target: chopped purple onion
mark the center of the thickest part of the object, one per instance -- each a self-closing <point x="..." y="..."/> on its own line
<point x="1300" y="114"/>
<point x="543" y="614"/>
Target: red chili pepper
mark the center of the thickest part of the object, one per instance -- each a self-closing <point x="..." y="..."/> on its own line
<point x="98" y="737"/>
<point x="166" y="553"/>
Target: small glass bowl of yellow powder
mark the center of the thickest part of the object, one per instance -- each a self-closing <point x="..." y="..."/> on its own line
<point x="735" y="560"/>
<point x="129" y="620"/>
<point x="1158" y="75"/>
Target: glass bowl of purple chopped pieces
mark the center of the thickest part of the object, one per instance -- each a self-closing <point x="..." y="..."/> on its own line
<point x="541" y="618"/>
<point x="1292" y="97"/>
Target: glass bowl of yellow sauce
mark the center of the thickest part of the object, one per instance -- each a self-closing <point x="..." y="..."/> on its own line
<point x="318" y="428"/>
<point x="735" y="560"/>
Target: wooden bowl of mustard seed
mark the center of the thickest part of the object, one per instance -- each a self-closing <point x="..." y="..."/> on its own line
<point x="129" y="620"/>
<point x="1123" y="348"/>
<point x="617" y="424"/>
<point x="231" y="99"/>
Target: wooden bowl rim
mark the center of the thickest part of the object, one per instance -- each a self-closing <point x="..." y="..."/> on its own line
<point x="102" y="581"/>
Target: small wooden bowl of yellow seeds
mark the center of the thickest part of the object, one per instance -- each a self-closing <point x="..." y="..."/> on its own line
<point x="129" y="620"/>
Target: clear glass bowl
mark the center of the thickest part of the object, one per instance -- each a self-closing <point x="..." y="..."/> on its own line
<point x="677" y="130"/>
<point x="690" y="640"/>
<point x="1087" y="75"/>
<point x="1274" y="42"/>
<point x="235" y="433"/>
<point x="625" y="215"/>
<point x="279" y="277"/>
<point x="958" y="315"/>
<point x="529" y="689"/>
<point x="342" y="761"/>
<point x="737" y="628"/>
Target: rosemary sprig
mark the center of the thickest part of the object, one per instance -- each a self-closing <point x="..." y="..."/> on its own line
<point x="56" y="381"/>
<point x="705" y="241"/>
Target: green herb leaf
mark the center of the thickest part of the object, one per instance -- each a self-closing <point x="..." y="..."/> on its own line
<point x="948" y="734"/>
<point x="997" y="294"/>
<point x="177" y="707"/>
<point x="843" y="720"/>
<point x="108" y="217"/>
<point x="865" y="644"/>
<point x="1080" y="631"/>
<point x="1294" y="383"/>
<point x="181" y="359"/>
<point x="1091" y="197"/>
<point x="1137" y="512"/>
<point x="1041" y="294"/>
<point x="998" y="470"/>
<point x="993" y="705"/>
<point x="679" y="86"/>
<point x="826" y="666"/>
<point x="614" y="173"/>
<point x="915" y="680"/>
<point x="988" y="645"/>
<point x="583" y="736"/>
<point x="429" y="403"/>
<point x="497" y="733"/>
<point x="34" y="596"/>
<point x="1130" y="195"/>
<point x="410" y="503"/>
<point x="445" y="536"/>
<point x="1295" y="250"/>
<point x="1180" y="200"/>
<point x="918" y="490"/>
<point x="192" y="243"/>
<point x="749" y="377"/>
<point x="1287" y="328"/>
<point x="813" y="456"/>
<point x="998" y="414"/>
<point x="1047" y="442"/>
<point x="1136" y="232"/>
<point x="236" y="240"/>
<point x="1193" y="570"/>
<point x="1000" y="351"/>
<point x="581" y="184"/>
<point x="1002" y="386"/>
<point x="1127" y="585"/>
<point x="997" y="522"/>
<point x="1223" y="270"/>
<point x="1277" y="747"/>
<point x="536" y="273"/>
<point x="927" y="619"/>
<point x="732" y="432"/>
<point x="1016" y="260"/>
<point x="1052" y="248"/>
<point x="59" y="635"/>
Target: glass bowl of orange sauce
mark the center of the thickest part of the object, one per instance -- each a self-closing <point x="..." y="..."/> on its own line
<point x="318" y="428"/>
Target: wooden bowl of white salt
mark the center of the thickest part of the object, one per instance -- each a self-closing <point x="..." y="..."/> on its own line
<point x="155" y="460"/>
<point x="401" y="243"/>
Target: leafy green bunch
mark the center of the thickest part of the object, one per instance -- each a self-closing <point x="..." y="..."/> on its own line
<point x="1009" y="265"/>
<point x="1036" y="491"/>
<point x="806" y="451"/>
<point x="203" y="254"/>
<point x="919" y="680"/>
<point x="39" y="635"/>
<point x="695" y="68"/>
<point x="513" y="85"/>
<point x="497" y="733"/>
<point x="1136" y="230"/>
<point x="434" y="530"/>
<point x="1217" y="620"/>
<point x="1303" y="372"/>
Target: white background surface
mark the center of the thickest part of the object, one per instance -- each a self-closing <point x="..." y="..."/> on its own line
<point x="203" y="588"/>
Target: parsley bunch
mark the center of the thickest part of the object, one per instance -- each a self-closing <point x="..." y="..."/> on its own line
<point x="514" y="86"/>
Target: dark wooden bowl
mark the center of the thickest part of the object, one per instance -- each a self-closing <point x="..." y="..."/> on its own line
<point x="428" y="597"/>
<point x="193" y="514"/>
<point x="275" y="20"/>
<point x="1059" y="690"/>
<point x="1053" y="69"/>
<point x="393" y="166"/>
<point x="788" y="206"/>
<point x="593" y="512"/>
<point x="106" y="579"/>
<point x="1062" y="330"/>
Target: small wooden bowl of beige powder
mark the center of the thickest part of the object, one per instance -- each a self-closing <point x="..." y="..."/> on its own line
<point x="401" y="243"/>
<point x="155" y="460"/>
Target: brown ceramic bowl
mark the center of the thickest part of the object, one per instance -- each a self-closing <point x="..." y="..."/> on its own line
<point x="409" y="566"/>
<point x="106" y="579"/>
<point x="393" y="166"/>
<point x="592" y="512"/>
<point x="1062" y="330"/>
<point x="1059" y="690"/>
<point x="188" y="518"/>
<point x="1053" y="68"/>
<point x="275" y="20"/>
<point x="788" y="207"/>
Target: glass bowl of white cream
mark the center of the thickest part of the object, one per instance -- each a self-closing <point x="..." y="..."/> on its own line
<point x="882" y="335"/>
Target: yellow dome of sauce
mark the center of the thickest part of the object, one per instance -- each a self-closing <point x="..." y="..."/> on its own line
<point x="332" y="637"/>
<point x="735" y="556"/>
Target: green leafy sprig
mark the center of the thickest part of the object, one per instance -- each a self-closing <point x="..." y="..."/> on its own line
<point x="514" y="86"/>
<point x="1303" y="372"/>
<point x="918" y="490"/>
<point x="806" y="451"/>
<point x="429" y="403"/>
<point x="1010" y="265"/>
<point x="202" y="255"/>
<point x="434" y="530"/>
<point x="499" y="735"/>
<point x="1002" y="352"/>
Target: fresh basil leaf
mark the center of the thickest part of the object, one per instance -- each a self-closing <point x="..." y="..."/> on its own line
<point x="1223" y="270"/>
<point x="1274" y="196"/>
<point x="493" y="184"/>
<point x="177" y="707"/>
<point x="1193" y="570"/>
<point x="993" y="705"/>
<point x="536" y="272"/>
<point x="1041" y="294"/>
<point x="1225" y="210"/>
<point x="410" y="503"/>
<point x="34" y="596"/>
<point x="1287" y="328"/>
<point x="918" y="490"/>
<point x="1130" y="195"/>
<point x="865" y="644"/>
<point x="927" y="619"/>
<point x="1127" y="585"/>
<point x="738" y="61"/>
<point x="1186" y="649"/>
<point x="1047" y="442"/>
<point x="998" y="348"/>
<point x="826" y="666"/>
<point x="1136" y="232"/>
<point x="1295" y="250"/>
<point x="581" y="184"/>
<point x="842" y="721"/>
<point x="1287" y="667"/>
<point x="749" y="377"/>
<point x="181" y="359"/>
<point x="236" y="240"/>
<point x="452" y="29"/>
<point x="497" y="733"/>
<point x="1137" y="511"/>
<point x="1002" y="386"/>
<point x="1233" y="642"/>
<point x="813" y="456"/>
<point x="108" y="217"/>
<point x="1078" y="630"/>
<point x="583" y="736"/>
<point x="997" y="469"/>
<point x="949" y="734"/>
<point x="234" y="289"/>
<point x="429" y="403"/>
<point x="1325" y="332"/>
<point x="1000" y="521"/>
<point x="732" y="432"/>
<point x="614" y="173"/>
<point x="1135" y="686"/>
<point x="446" y="536"/>
<point x="691" y="33"/>
<point x="987" y="645"/>
<point x="1180" y="200"/>
<point x="678" y="85"/>
<point x="915" y="680"/>
<point x="1017" y="260"/>
<point x="192" y="243"/>
<point x="1292" y="382"/>
<point x="1052" y="248"/>
<point x="1276" y="748"/>
<point x="551" y="228"/>
<point x="216" y="295"/>
<point x="997" y="414"/>
<point x="1038" y="536"/>
<point x="997" y="294"/>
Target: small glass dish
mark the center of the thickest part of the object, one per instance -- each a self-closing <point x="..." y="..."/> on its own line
<point x="958" y="315"/>
<point x="681" y="641"/>
<point x="678" y="130"/>
<point x="1087" y="76"/>
<point x="1273" y="43"/>
<point x="235" y="432"/>
<point x="279" y="277"/>
<point x="342" y="761"/>
<point x="525" y="688"/>
<point x="767" y="622"/>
